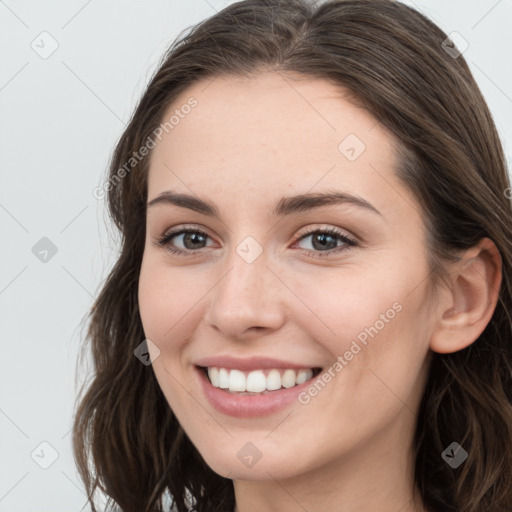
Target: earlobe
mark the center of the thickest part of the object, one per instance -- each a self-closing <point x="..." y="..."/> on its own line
<point x="467" y="307"/>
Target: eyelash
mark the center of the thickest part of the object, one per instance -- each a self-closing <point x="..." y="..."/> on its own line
<point x="349" y="242"/>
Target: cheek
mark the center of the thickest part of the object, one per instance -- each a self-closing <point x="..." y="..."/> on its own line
<point x="375" y="316"/>
<point x="163" y="311"/>
<point x="164" y="299"/>
<point x="342" y="303"/>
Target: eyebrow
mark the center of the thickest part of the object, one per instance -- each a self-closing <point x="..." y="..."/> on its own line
<point x="285" y="206"/>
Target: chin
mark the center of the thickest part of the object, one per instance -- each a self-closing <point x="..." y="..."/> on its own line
<point x="264" y="469"/>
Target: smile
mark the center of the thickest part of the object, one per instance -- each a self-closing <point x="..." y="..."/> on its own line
<point x="228" y="390"/>
<point x="259" y="381"/>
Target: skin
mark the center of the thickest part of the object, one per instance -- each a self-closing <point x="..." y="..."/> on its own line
<point x="249" y="142"/>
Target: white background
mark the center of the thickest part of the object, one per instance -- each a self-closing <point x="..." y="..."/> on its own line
<point x="61" y="118"/>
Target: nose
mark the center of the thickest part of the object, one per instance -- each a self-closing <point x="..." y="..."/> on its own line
<point x="247" y="301"/>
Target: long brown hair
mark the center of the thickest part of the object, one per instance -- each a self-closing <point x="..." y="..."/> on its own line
<point x="127" y="441"/>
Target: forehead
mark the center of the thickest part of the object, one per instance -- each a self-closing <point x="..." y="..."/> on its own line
<point x="272" y="134"/>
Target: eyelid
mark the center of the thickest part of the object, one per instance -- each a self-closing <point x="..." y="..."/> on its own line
<point x="186" y="227"/>
<point x="314" y="228"/>
<point x="163" y="240"/>
<point x="350" y="240"/>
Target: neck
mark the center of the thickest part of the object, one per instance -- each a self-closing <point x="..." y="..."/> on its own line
<point x="378" y="475"/>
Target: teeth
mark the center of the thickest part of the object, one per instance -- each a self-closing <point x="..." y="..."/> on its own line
<point x="303" y="376"/>
<point x="213" y="373"/>
<point x="288" y="379"/>
<point x="236" y="381"/>
<point x="257" y="381"/>
<point x="273" y="380"/>
<point x="223" y="379"/>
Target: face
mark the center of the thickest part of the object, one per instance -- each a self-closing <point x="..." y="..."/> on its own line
<point x="268" y="285"/>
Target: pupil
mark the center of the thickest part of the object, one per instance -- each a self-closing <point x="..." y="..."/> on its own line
<point x="194" y="238"/>
<point x="322" y="240"/>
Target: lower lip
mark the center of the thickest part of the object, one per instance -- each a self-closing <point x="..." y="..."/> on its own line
<point x="249" y="406"/>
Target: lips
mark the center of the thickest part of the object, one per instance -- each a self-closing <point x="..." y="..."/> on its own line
<point x="257" y="381"/>
<point x="227" y="383"/>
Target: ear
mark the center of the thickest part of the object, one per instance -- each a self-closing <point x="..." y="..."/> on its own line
<point x="468" y="304"/>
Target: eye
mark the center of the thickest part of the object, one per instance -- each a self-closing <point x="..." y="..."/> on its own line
<point x="190" y="238"/>
<point x="324" y="242"/>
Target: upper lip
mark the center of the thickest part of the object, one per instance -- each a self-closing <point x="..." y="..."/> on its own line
<point x="251" y="363"/>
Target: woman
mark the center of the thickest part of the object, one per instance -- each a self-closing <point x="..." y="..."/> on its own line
<point x="310" y="310"/>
